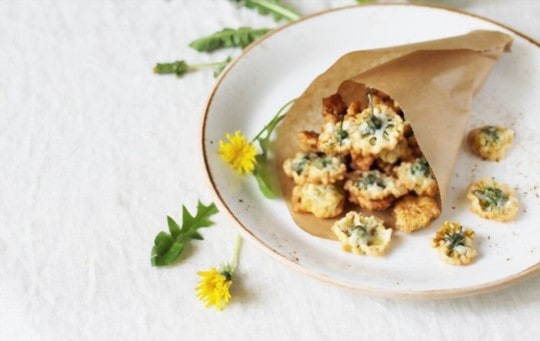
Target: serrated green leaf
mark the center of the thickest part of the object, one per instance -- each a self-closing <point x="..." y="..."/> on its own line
<point x="270" y="7"/>
<point x="174" y="229"/>
<point x="205" y="212"/>
<point x="162" y="243"/>
<point x="187" y="220"/>
<point x="170" y="255"/>
<point x="169" y="246"/>
<point x="179" y="68"/>
<point x="201" y="219"/>
<point x="173" y="253"/>
<point x="228" y="37"/>
<point x="196" y="235"/>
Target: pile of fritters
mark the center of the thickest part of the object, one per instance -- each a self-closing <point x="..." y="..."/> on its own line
<point x="365" y="153"/>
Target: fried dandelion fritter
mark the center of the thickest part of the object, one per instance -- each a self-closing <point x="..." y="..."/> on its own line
<point x="412" y="212"/>
<point x="402" y="152"/>
<point x="455" y="244"/>
<point x="323" y="201"/>
<point x="490" y="142"/>
<point x="417" y="176"/>
<point x="379" y="130"/>
<point x="335" y="137"/>
<point x="493" y="200"/>
<point x="315" y="168"/>
<point x="373" y="190"/>
<point x="362" y="234"/>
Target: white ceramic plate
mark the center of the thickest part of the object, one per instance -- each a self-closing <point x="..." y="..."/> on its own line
<point x="279" y="68"/>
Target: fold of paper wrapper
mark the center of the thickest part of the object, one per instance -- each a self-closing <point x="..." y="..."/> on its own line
<point x="434" y="83"/>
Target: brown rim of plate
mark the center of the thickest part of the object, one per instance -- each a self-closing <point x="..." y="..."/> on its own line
<point x="293" y="263"/>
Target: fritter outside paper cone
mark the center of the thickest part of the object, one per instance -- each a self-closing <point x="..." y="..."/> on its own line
<point x="434" y="83"/>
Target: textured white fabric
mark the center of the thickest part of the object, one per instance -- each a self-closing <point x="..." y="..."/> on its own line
<point x="95" y="151"/>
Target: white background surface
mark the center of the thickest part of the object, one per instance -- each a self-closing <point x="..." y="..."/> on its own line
<point x="95" y="151"/>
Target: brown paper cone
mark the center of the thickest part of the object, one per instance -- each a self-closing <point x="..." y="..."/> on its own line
<point x="434" y="82"/>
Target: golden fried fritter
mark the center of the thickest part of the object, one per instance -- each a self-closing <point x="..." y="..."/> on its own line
<point x="490" y="142"/>
<point x="362" y="234"/>
<point x="372" y="204"/>
<point x="493" y="200"/>
<point x="323" y="201"/>
<point x="379" y="130"/>
<point x="335" y="137"/>
<point x="417" y="176"/>
<point x="415" y="212"/>
<point x="455" y="244"/>
<point x="373" y="190"/>
<point x="401" y="152"/>
<point x="315" y="168"/>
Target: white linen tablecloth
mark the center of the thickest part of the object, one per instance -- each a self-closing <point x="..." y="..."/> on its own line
<point x="96" y="151"/>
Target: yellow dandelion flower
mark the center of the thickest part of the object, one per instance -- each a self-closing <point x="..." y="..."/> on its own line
<point x="213" y="288"/>
<point x="238" y="153"/>
<point x="214" y="285"/>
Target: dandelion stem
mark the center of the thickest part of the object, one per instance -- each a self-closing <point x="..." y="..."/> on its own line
<point x="180" y="67"/>
<point x="370" y="100"/>
<point x="236" y="252"/>
<point x="203" y="65"/>
<point x="279" y="116"/>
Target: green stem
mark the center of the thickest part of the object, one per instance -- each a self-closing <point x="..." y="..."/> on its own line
<point x="236" y="253"/>
<point x="370" y="100"/>
<point x="272" y="121"/>
<point x="194" y="67"/>
<point x="180" y="67"/>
